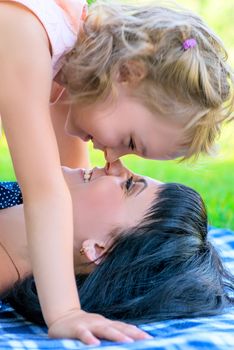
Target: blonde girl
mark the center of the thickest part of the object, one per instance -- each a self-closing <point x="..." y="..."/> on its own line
<point x="150" y="80"/>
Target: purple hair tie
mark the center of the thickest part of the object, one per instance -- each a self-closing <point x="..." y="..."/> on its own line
<point x="189" y="44"/>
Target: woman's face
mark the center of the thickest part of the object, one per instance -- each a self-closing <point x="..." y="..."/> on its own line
<point x="112" y="198"/>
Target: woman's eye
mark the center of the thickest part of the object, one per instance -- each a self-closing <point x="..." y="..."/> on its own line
<point x="129" y="183"/>
<point x="131" y="144"/>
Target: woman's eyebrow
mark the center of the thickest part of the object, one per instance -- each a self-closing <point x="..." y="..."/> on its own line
<point x="144" y="187"/>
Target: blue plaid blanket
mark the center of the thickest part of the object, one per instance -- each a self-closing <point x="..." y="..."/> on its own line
<point x="211" y="333"/>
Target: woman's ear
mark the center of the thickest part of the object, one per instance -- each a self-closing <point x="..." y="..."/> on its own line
<point x="131" y="72"/>
<point x="93" y="250"/>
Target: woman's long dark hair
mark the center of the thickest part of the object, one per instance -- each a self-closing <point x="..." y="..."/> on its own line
<point x="162" y="269"/>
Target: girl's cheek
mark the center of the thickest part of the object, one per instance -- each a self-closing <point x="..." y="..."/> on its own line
<point x="108" y="136"/>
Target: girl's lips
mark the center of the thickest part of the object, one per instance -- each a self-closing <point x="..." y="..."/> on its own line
<point x="87" y="138"/>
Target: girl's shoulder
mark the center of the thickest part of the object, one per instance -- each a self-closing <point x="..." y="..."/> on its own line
<point x="76" y="10"/>
<point x="61" y="20"/>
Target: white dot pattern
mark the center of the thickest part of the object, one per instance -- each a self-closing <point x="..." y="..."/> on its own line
<point x="10" y="194"/>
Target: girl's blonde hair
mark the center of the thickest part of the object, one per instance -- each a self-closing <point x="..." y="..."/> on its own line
<point x="143" y="44"/>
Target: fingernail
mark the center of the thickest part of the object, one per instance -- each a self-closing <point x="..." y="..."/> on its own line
<point x="96" y="342"/>
<point x="147" y="336"/>
<point x="129" y="340"/>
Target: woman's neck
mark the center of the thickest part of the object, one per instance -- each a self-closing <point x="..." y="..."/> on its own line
<point x="14" y="257"/>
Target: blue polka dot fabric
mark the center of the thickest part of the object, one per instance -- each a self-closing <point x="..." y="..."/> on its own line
<point x="10" y="194"/>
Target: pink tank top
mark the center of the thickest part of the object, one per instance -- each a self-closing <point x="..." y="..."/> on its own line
<point x="61" y="20"/>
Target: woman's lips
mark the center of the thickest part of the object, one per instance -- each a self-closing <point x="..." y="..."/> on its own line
<point x="94" y="173"/>
<point x="97" y="172"/>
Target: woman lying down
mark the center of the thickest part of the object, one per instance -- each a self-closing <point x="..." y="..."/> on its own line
<point x="141" y="252"/>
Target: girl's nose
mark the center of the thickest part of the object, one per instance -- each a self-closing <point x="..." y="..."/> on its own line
<point x="116" y="169"/>
<point x="112" y="155"/>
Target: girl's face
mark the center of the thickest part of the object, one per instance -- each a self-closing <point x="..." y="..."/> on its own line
<point x="113" y="198"/>
<point x="125" y="126"/>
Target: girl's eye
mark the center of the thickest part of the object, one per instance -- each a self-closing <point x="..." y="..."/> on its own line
<point x="129" y="183"/>
<point x="131" y="144"/>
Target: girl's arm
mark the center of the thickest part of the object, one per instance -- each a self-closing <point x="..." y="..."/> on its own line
<point x="25" y="67"/>
<point x="25" y="84"/>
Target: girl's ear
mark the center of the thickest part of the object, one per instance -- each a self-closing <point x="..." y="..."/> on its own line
<point x="93" y="250"/>
<point x="131" y="72"/>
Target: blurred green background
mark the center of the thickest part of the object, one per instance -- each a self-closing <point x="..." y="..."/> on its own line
<point x="213" y="177"/>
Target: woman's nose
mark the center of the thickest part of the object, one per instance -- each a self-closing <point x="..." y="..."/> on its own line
<point x="116" y="169"/>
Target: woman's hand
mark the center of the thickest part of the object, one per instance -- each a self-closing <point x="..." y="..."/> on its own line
<point x="87" y="327"/>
